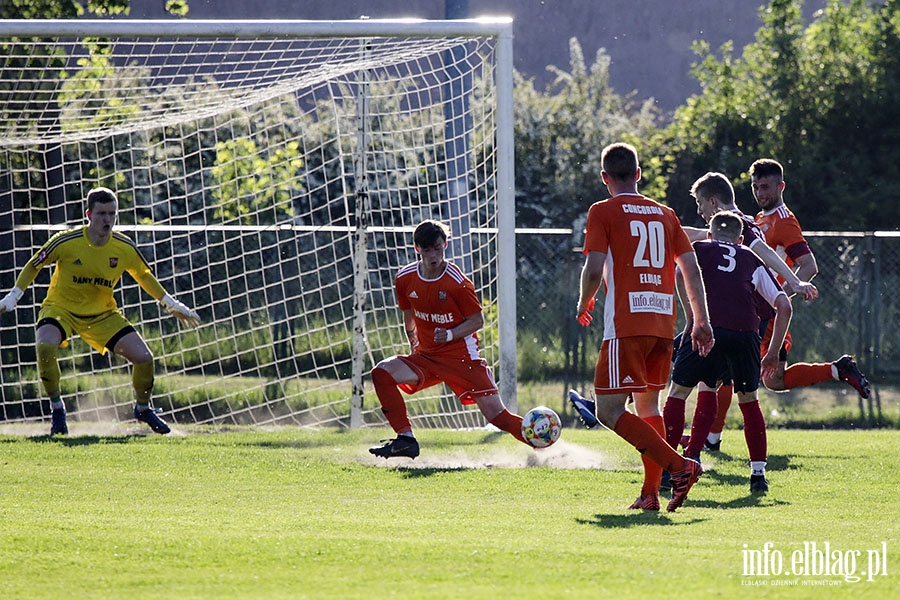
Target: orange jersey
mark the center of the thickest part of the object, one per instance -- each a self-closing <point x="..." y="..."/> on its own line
<point x="442" y="302"/>
<point x="641" y="239"/>
<point x="783" y="233"/>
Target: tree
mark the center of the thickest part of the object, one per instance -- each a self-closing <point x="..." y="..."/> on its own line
<point x="818" y="98"/>
<point x="559" y="134"/>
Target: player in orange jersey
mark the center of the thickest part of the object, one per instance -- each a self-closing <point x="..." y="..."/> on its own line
<point x="632" y="245"/>
<point x="441" y="313"/>
<point x="783" y="234"/>
<point x="90" y="260"/>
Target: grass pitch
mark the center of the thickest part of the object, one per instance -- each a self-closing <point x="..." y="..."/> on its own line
<point x="296" y="513"/>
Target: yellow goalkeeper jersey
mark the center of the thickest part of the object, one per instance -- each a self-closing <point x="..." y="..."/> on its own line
<point x="85" y="275"/>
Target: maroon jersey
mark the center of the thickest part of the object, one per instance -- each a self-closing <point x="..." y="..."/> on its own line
<point x="733" y="276"/>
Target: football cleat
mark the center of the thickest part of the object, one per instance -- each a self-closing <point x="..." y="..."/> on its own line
<point x="585" y="409"/>
<point x="148" y="416"/>
<point x="758" y="484"/>
<point x="849" y="373"/>
<point x="58" y="424"/>
<point x="402" y="445"/>
<point x="682" y="482"/>
<point x="648" y="502"/>
<point x="712" y="446"/>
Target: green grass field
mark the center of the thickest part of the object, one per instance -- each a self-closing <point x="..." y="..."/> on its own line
<point x="296" y="513"/>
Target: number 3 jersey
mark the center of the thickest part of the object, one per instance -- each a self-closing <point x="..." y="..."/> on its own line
<point x="641" y="239"/>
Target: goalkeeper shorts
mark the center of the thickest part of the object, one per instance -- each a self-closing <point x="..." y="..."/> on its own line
<point x="101" y="331"/>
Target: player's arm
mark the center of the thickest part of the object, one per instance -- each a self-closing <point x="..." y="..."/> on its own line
<point x="470" y="325"/>
<point x="26" y="277"/>
<point x="695" y="234"/>
<point x="681" y="290"/>
<point x="591" y="279"/>
<point x="766" y="286"/>
<point x="412" y="332"/>
<point x="702" y="339"/>
<point x="774" y="262"/>
<point x="186" y="316"/>
<point x="806" y="267"/>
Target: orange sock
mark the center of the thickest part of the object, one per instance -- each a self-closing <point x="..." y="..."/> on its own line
<point x="392" y="404"/>
<point x="723" y="395"/>
<point x="509" y="423"/>
<point x="652" y="471"/>
<point x="646" y="440"/>
<point x="806" y="374"/>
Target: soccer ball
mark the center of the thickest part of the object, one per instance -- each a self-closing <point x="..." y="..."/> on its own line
<point x="541" y="427"/>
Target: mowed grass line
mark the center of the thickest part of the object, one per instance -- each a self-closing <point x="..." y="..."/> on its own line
<point x="299" y="513"/>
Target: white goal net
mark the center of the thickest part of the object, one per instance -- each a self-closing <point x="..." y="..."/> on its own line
<point x="271" y="173"/>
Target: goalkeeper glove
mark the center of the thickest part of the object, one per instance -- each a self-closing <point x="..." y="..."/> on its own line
<point x="8" y="304"/>
<point x="185" y="315"/>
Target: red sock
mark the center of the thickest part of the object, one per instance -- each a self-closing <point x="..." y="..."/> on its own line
<point x="509" y="423"/>
<point x="652" y="471"/>
<point x="392" y="404"/>
<point x="754" y="430"/>
<point x="704" y="415"/>
<point x="806" y="374"/>
<point x="673" y="416"/>
<point x="644" y="438"/>
<point x="723" y="395"/>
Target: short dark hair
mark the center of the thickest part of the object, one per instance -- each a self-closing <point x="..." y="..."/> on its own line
<point x="620" y="161"/>
<point x="714" y="184"/>
<point x="767" y="167"/>
<point x="100" y="195"/>
<point x="429" y="232"/>
<point x="726" y="226"/>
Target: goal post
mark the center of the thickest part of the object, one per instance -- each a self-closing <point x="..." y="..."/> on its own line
<point x="272" y="173"/>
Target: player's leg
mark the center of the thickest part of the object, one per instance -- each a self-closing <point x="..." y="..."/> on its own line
<point x="386" y="376"/>
<point x="498" y="415"/>
<point x="646" y="405"/>
<point x="129" y="344"/>
<point x="48" y="336"/>
<point x="637" y="359"/>
<point x="723" y="398"/>
<point x="674" y="411"/>
<point x="757" y="442"/>
<point x="704" y="416"/>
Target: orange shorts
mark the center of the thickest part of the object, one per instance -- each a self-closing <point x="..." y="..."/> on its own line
<point x="469" y="379"/>
<point x="767" y="337"/>
<point x="633" y="364"/>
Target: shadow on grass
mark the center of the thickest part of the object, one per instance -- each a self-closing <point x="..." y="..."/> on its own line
<point x="634" y="519"/>
<point x="79" y="440"/>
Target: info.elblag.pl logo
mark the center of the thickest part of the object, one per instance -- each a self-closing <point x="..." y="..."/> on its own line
<point x="812" y="563"/>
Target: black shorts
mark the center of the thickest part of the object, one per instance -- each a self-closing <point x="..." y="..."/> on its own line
<point x="734" y="356"/>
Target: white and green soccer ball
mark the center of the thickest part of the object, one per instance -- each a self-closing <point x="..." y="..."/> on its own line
<point x="541" y="427"/>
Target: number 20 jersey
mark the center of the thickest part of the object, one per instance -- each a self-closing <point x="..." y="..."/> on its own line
<point x="641" y="239"/>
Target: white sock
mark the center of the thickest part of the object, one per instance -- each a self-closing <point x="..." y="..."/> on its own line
<point x="408" y="434"/>
<point x="834" y="372"/>
<point x="758" y="467"/>
<point x="712" y="438"/>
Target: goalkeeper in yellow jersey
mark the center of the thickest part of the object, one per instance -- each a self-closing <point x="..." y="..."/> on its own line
<point x="90" y="260"/>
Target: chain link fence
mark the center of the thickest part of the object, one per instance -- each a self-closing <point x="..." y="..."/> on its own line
<point x="856" y="313"/>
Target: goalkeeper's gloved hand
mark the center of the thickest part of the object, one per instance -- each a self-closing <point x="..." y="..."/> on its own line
<point x="181" y="312"/>
<point x="8" y="304"/>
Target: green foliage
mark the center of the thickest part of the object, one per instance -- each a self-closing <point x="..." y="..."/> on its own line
<point x="820" y="98"/>
<point x="252" y="188"/>
<point x="559" y="134"/>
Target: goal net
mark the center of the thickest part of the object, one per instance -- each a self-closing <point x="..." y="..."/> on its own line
<point x="271" y="173"/>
